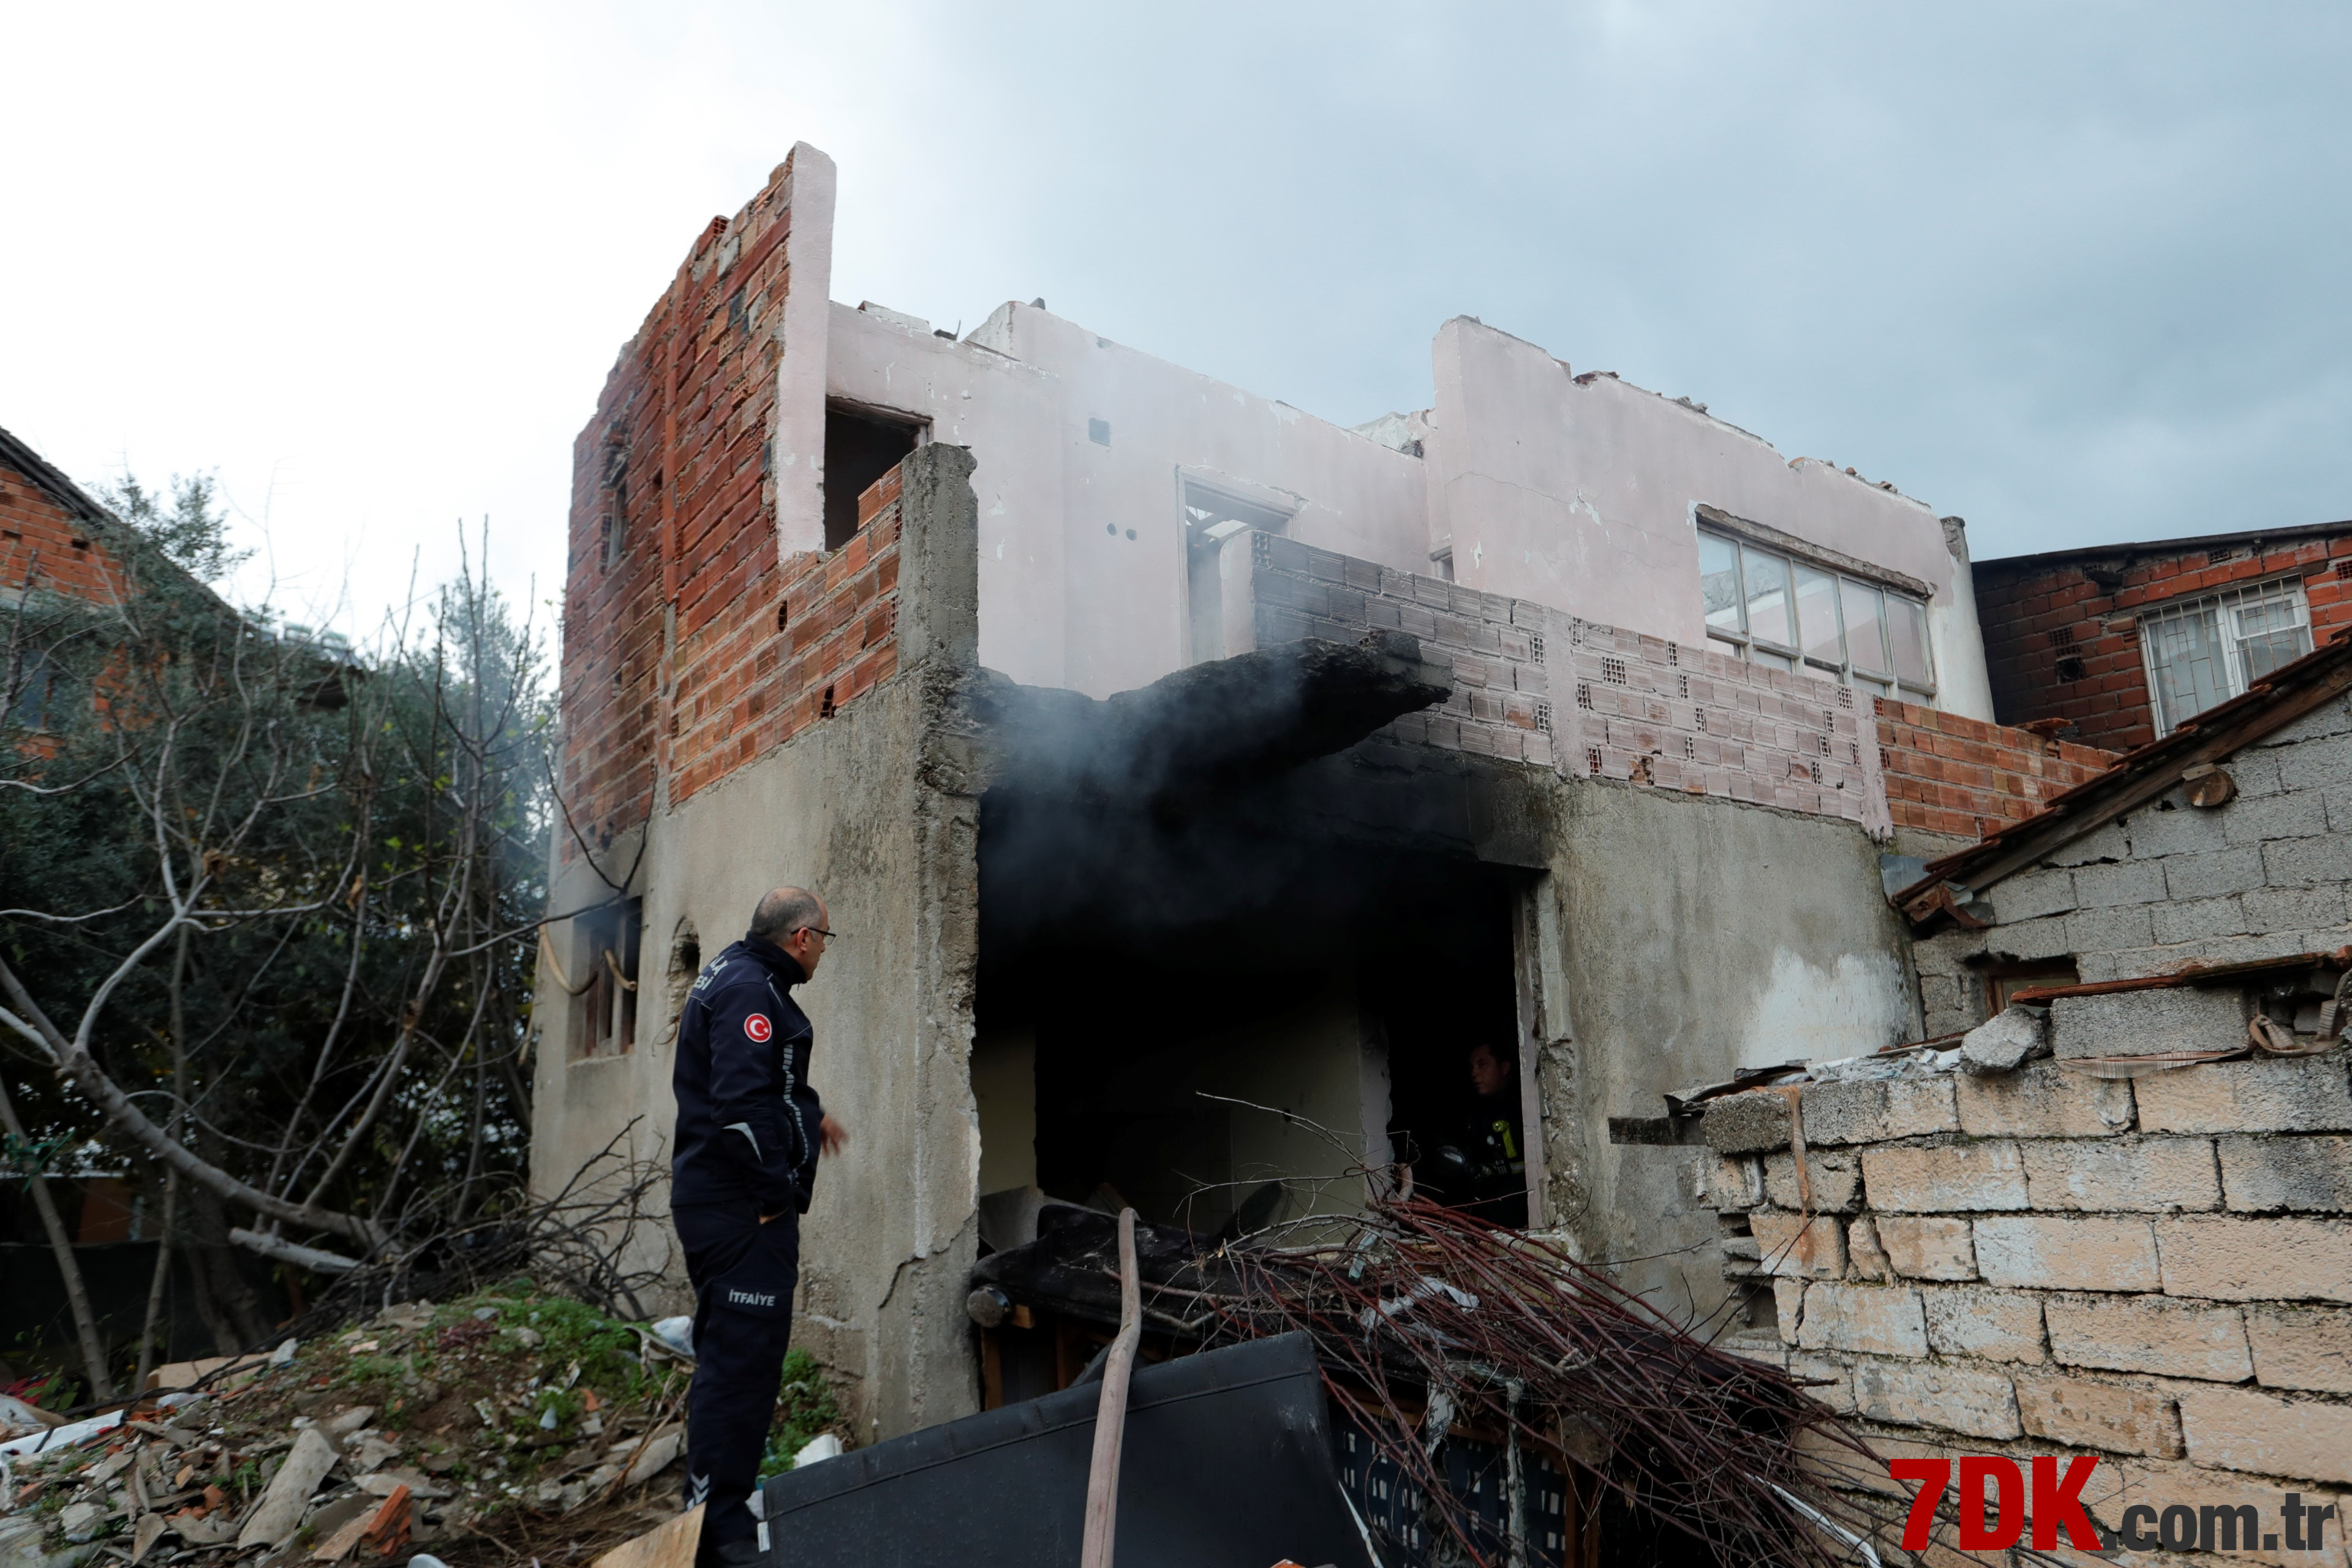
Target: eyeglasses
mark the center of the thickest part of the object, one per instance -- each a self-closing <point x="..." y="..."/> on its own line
<point x="818" y="930"/>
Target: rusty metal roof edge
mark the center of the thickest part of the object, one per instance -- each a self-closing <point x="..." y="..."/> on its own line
<point x="2190" y="974"/>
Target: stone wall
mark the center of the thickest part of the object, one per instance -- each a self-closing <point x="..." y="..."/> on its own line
<point x="2156" y="1271"/>
<point x="2261" y="875"/>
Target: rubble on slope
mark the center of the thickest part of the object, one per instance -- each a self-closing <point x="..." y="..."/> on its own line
<point x="509" y="1425"/>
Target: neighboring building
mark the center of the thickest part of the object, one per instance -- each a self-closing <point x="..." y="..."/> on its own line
<point x="2117" y="1219"/>
<point x="1150" y="740"/>
<point x="2122" y="643"/>
<point x="52" y="541"/>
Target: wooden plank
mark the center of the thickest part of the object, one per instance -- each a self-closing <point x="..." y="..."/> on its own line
<point x="671" y="1546"/>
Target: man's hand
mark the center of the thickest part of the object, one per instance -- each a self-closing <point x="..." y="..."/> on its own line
<point x="831" y="1135"/>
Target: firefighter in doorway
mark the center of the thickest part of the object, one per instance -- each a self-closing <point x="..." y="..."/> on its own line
<point x="1482" y="1168"/>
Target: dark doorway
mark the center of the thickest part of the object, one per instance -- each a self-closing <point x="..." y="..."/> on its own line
<point x="859" y="448"/>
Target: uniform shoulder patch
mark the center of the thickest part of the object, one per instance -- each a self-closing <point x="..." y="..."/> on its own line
<point x="758" y="1028"/>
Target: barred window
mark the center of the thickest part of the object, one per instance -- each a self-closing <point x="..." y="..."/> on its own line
<point x="2201" y="652"/>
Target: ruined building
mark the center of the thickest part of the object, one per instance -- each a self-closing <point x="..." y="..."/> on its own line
<point x="1194" y="782"/>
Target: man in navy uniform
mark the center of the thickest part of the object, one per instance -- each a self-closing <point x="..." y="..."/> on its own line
<point x="749" y="1132"/>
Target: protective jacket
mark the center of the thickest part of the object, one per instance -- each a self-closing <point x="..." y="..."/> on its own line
<point x="747" y="1118"/>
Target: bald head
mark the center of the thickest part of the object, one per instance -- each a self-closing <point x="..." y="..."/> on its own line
<point x="783" y="911"/>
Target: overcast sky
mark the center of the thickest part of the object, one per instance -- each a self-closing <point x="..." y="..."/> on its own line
<point x="2076" y="272"/>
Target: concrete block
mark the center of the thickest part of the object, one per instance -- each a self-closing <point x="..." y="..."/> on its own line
<point x="1735" y="1182"/>
<point x="2225" y="1258"/>
<point x="2151" y="1334"/>
<point x="1865" y="1258"/>
<point x="1789" y="1307"/>
<point x="2315" y="764"/>
<point x="2043" y="1100"/>
<point x="1747" y="1124"/>
<point x="1979" y="1321"/>
<point x="2210" y="876"/>
<point x="1927" y="1247"/>
<point x="2306" y="862"/>
<point x="2075" y="1413"/>
<point x="2103" y="930"/>
<point x="2028" y="940"/>
<point x="1874" y="1320"/>
<point x="2240" y="1430"/>
<point x="1834" y="1179"/>
<point x="2131" y="883"/>
<point x="2295" y="908"/>
<point x="2053" y="1252"/>
<point x="2263" y="1175"/>
<point x="2158" y="835"/>
<point x="1973" y="1400"/>
<point x="1795" y="1248"/>
<point x="2042" y="891"/>
<point x="2198" y="918"/>
<point x="1873" y="1110"/>
<point x="1961" y="1178"/>
<point x="1948" y="952"/>
<point x="2003" y="1044"/>
<point x="2339" y="810"/>
<point x="2300" y="815"/>
<point x="2300" y="1347"/>
<point x="2141" y="1022"/>
<point x="2150" y="1174"/>
<point x="2107" y="843"/>
<point x="2309" y="1094"/>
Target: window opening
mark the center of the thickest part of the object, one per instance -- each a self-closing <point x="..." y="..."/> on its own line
<point x="2201" y="652"/>
<point x="2003" y="981"/>
<point x="1768" y="608"/>
<point x="859" y="448"/>
<point x="1211" y="518"/>
<point x="606" y="1023"/>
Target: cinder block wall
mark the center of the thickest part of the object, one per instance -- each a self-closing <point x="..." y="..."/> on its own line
<point x="2156" y="1271"/>
<point x="1535" y="685"/>
<point x="2262" y="876"/>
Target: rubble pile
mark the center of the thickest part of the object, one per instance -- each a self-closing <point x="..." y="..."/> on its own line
<point x="509" y="1423"/>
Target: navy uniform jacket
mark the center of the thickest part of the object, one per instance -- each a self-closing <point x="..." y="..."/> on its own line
<point x="747" y="1118"/>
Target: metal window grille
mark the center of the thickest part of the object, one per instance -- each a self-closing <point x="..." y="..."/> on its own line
<point x="2201" y="652"/>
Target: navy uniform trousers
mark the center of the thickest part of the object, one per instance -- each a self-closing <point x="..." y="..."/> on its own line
<point x="743" y="1273"/>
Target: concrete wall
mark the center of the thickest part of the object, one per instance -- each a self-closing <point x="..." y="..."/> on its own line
<point x="1677" y="939"/>
<point x="1578" y="492"/>
<point x="870" y="807"/>
<point x="2269" y="873"/>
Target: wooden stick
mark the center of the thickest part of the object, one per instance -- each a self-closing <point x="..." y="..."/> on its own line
<point x="1110" y="1416"/>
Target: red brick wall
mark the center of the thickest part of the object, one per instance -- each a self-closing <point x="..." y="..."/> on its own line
<point x="44" y="545"/>
<point x="2035" y="615"/>
<point x="694" y="650"/>
<point x="1962" y="776"/>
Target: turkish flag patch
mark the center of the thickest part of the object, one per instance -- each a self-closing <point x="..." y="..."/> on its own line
<point x="758" y="1028"/>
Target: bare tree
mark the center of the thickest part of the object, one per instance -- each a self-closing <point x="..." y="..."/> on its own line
<point x="277" y="904"/>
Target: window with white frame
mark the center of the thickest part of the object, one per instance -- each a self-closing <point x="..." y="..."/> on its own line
<point x="2201" y="652"/>
<point x="1778" y="609"/>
